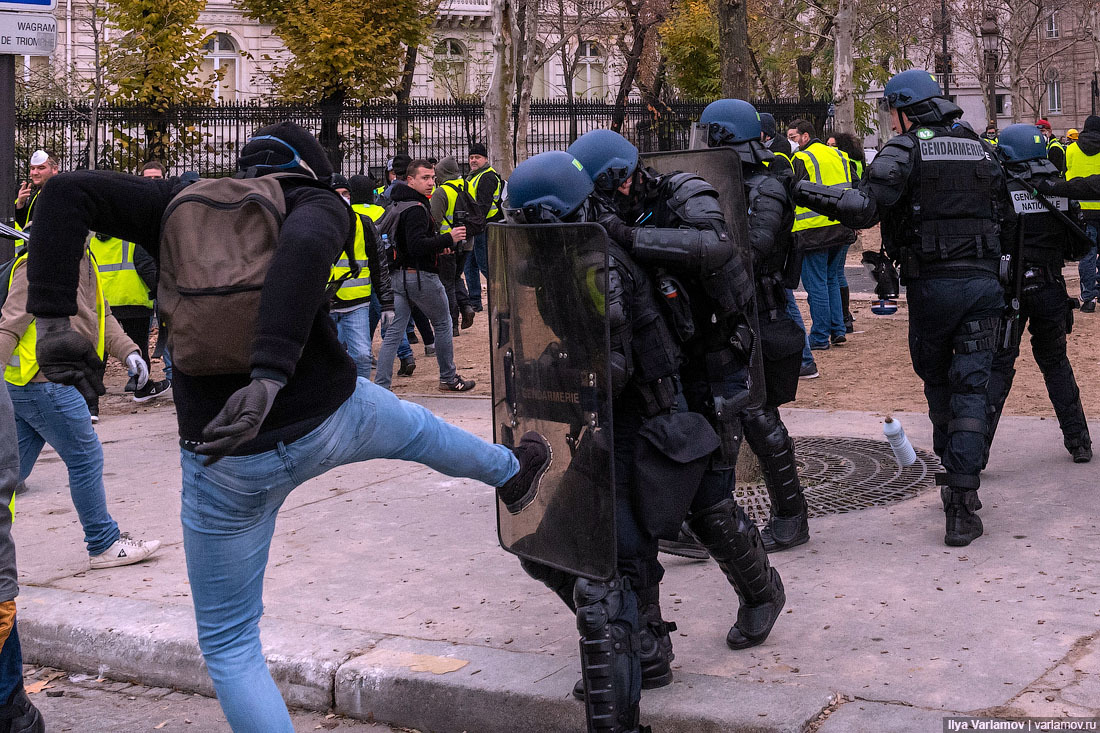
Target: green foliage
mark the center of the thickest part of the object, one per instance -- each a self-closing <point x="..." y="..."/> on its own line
<point x="689" y="39"/>
<point x="342" y="49"/>
<point x="156" y="61"/>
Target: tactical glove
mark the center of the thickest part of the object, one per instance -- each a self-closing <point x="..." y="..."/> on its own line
<point x="620" y="232"/>
<point x="239" y="420"/>
<point x="66" y="357"/>
<point x="136" y="367"/>
<point x="1044" y="185"/>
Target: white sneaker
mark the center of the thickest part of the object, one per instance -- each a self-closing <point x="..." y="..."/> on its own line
<point x="125" y="551"/>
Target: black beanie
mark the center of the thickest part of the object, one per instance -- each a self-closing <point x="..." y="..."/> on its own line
<point x="767" y="124"/>
<point x="1092" y="123"/>
<point x="479" y="149"/>
<point x="361" y="189"/>
<point x="266" y="155"/>
<point x="401" y="164"/>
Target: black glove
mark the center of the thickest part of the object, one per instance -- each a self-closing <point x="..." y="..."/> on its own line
<point x="621" y="233"/>
<point x="1044" y="185"/>
<point x="240" y="420"/>
<point x="66" y="357"/>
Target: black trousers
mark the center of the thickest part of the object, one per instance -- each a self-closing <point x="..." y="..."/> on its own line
<point x="1043" y="309"/>
<point x="450" y="274"/>
<point x="137" y="329"/>
<point x="952" y="338"/>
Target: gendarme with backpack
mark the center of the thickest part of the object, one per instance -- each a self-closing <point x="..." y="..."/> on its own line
<point x="209" y="296"/>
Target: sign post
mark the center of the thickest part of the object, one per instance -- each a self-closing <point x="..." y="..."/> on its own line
<point x="26" y="29"/>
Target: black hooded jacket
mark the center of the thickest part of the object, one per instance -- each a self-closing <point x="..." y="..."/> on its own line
<point x="418" y="243"/>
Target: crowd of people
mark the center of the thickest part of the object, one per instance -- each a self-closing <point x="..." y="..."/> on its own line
<point x="282" y="391"/>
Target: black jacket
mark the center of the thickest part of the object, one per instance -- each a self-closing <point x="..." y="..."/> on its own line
<point x="295" y="338"/>
<point x="418" y="244"/>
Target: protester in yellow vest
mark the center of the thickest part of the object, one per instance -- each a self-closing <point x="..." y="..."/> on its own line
<point x="823" y="240"/>
<point x="1082" y="161"/>
<point x="129" y="278"/>
<point x="486" y="188"/>
<point x="350" y="309"/>
<point x="1056" y="152"/>
<point x="43" y="167"/>
<point x="47" y="412"/>
<point x="451" y="205"/>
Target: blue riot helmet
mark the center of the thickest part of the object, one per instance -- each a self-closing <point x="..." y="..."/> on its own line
<point x="607" y="156"/>
<point x="547" y="187"/>
<point x="731" y="121"/>
<point x="909" y="88"/>
<point x="1021" y="143"/>
<point x="734" y="123"/>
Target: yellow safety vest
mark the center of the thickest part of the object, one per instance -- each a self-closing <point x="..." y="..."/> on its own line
<point x="451" y="189"/>
<point x="827" y="166"/>
<point x="30" y="205"/>
<point x="471" y="188"/>
<point x="1081" y="165"/>
<point x="359" y="287"/>
<point x="122" y="285"/>
<point x="1053" y="143"/>
<point x="767" y="163"/>
<point x="24" y="362"/>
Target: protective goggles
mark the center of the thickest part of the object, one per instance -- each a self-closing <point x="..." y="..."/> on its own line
<point x="295" y="162"/>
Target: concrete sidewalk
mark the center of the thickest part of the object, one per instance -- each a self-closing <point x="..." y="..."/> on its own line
<point x="388" y="598"/>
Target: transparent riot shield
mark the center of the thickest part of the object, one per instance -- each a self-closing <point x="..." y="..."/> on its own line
<point x="721" y="168"/>
<point x="550" y="372"/>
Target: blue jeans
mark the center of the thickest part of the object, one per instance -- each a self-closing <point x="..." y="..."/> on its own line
<point x="57" y="414"/>
<point x="424" y="290"/>
<point x="167" y="365"/>
<point x="793" y="312"/>
<point x="405" y="350"/>
<point x="1086" y="268"/>
<point x="819" y="277"/>
<point x="841" y="276"/>
<point x="477" y="264"/>
<point x="11" y="665"/>
<point x="229" y="510"/>
<point x="353" y="330"/>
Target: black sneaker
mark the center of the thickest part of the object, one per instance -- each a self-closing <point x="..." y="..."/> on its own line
<point x="1081" y="453"/>
<point x="819" y="347"/>
<point x="839" y="339"/>
<point x="808" y="371"/>
<point x="152" y="390"/>
<point x="535" y="457"/>
<point x="407" y="367"/>
<point x="457" y="385"/>
<point x="1088" y="306"/>
<point x="131" y="384"/>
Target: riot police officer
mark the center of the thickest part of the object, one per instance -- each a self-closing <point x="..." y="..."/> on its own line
<point x="1046" y="241"/>
<point x="775" y="266"/>
<point x="625" y="644"/>
<point x="940" y="196"/>
<point x="674" y="226"/>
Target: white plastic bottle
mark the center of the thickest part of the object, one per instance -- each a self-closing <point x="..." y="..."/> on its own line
<point x="899" y="443"/>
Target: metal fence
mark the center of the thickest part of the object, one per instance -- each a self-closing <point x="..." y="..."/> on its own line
<point x="207" y="138"/>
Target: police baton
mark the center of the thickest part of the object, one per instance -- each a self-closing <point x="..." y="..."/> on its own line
<point x="1049" y="206"/>
<point x="1013" y="332"/>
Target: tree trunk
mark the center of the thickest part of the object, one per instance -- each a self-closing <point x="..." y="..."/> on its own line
<point x="332" y="107"/>
<point x="528" y="18"/>
<point x="633" y="60"/>
<point x="733" y="48"/>
<point x="502" y="89"/>
<point x="844" y="98"/>
<point x="748" y="469"/>
<point x="805" y="68"/>
<point x="404" y="94"/>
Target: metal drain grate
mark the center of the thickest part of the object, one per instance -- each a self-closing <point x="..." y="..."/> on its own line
<point x="841" y="475"/>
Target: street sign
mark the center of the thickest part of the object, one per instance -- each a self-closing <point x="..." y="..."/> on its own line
<point x="27" y="34"/>
<point x="30" y="5"/>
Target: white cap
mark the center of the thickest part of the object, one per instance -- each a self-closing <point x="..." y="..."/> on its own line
<point x="40" y="157"/>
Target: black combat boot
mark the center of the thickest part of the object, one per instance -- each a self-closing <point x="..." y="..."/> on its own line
<point x="963" y="524"/>
<point x="685" y="545"/>
<point x="734" y="542"/>
<point x="789" y="524"/>
<point x="607" y="619"/>
<point x="655" y="644"/>
<point x="849" y="320"/>
<point x="20" y="715"/>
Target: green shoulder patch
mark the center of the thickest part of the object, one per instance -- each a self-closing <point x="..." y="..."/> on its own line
<point x="925" y="134"/>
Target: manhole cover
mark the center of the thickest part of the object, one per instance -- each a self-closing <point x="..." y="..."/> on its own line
<point x="843" y="475"/>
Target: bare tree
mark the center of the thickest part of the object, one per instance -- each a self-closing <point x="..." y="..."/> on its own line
<point x="733" y="45"/>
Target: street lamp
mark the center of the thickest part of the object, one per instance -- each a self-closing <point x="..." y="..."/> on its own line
<point x="991" y="43"/>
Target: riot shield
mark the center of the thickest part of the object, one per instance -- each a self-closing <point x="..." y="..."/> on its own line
<point x="721" y="168"/>
<point x="550" y="373"/>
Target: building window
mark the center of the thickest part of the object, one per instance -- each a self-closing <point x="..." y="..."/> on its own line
<point x="590" y="77"/>
<point x="221" y="56"/>
<point x="1054" y="96"/>
<point x="1052" y="24"/>
<point x="449" y="69"/>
